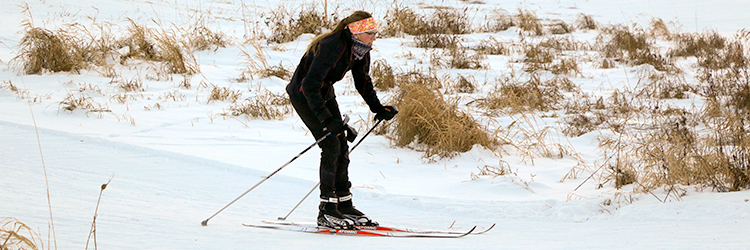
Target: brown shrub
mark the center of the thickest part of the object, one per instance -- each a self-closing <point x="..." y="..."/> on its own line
<point x="634" y="46"/>
<point x="383" y="76"/>
<point x="528" y="21"/>
<point x="513" y="96"/>
<point x="498" y="20"/>
<point x="400" y="20"/>
<point x="287" y="26"/>
<point x="491" y="46"/>
<point x="427" y="119"/>
<point x="585" y="22"/>
<point x="265" y="105"/>
<point x="44" y="49"/>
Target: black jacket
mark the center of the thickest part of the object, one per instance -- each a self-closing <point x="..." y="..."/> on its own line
<point x="316" y="73"/>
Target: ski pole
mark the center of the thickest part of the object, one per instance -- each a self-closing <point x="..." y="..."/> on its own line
<point x="205" y="222"/>
<point x="316" y="185"/>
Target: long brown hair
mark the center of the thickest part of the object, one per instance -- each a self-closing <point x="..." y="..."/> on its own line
<point x="356" y="16"/>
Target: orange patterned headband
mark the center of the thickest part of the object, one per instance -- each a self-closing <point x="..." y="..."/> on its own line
<point x="363" y="26"/>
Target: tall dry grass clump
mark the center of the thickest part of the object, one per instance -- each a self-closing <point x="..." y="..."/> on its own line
<point x="458" y="57"/>
<point x="513" y="96"/>
<point x="383" y="76"/>
<point x="201" y="38"/>
<point x="264" y="105"/>
<point x="428" y="122"/>
<point x="223" y="94"/>
<point x="585" y="22"/>
<point x="697" y="44"/>
<point x="164" y="45"/>
<point x="498" y="20"/>
<point x="634" y="46"/>
<point x="287" y="25"/>
<point x="401" y="20"/>
<point x="175" y="53"/>
<point x="447" y="21"/>
<point x="17" y="235"/>
<point x="492" y="46"/>
<point x="42" y="49"/>
<point x="527" y="21"/>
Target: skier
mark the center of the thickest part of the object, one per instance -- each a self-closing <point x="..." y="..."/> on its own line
<point x="328" y="58"/>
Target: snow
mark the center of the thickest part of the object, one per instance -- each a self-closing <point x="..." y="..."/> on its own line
<point x="173" y="167"/>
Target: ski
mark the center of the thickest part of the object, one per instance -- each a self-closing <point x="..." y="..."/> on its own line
<point x="360" y="232"/>
<point x="380" y="228"/>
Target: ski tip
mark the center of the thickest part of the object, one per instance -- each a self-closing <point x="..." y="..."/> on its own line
<point x="204" y="223"/>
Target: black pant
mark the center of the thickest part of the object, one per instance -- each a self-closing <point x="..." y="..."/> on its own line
<point x="334" y="158"/>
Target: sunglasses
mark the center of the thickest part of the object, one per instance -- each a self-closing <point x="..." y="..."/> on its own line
<point x="372" y="33"/>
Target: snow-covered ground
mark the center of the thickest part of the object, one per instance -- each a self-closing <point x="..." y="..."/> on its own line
<point x="174" y="164"/>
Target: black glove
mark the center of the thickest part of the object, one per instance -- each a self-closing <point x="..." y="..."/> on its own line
<point x="387" y="113"/>
<point x="351" y="133"/>
<point x="334" y="126"/>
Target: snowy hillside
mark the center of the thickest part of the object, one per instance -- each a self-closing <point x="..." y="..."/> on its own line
<point x="173" y="154"/>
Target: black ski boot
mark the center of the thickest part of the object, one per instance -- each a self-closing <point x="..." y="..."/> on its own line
<point x="330" y="217"/>
<point x="346" y="207"/>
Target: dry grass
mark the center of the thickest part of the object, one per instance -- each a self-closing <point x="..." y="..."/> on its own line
<point x="139" y="43"/>
<point x="17" y="235"/>
<point x="436" y="126"/>
<point x="498" y="20"/>
<point x="513" y="96"/>
<point x="287" y="25"/>
<point x="20" y="93"/>
<point x="164" y="45"/>
<point x="446" y="21"/>
<point x="135" y="84"/>
<point x="71" y="48"/>
<point x="659" y="29"/>
<point x="528" y="22"/>
<point x="265" y="105"/>
<point x="559" y="27"/>
<point x="383" y="76"/>
<point x="175" y="53"/>
<point x="538" y="57"/>
<point x="223" y="94"/>
<point x="666" y="147"/>
<point x="457" y="58"/>
<point x="42" y="49"/>
<point x="202" y="38"/>
<point x="585" y="22"/>
<point x="401" y="20"/>
<point x="697" y="44"/>
<point x="276" y="71"/>
<point x="463" y="84"/>
<point x="663" y="85"/>
<point x="73" y="102"/>
<point x="436" y="40"/>
<point x="676" y="153"/>
<point x="257" y="65"/>
<point x="491" y="46"/>
<point x="633" y="46"/>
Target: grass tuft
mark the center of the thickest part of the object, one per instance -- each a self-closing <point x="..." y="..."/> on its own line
<point x="383" y="76"/>
<point x="436" y="126"/>
<point x="17" y="235"/>
<point x="266" y="106"/>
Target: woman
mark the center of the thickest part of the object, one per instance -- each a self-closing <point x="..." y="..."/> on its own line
<point x="327" y="59"/>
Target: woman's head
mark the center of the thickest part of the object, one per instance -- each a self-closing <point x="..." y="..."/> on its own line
<point x="354" y="17"/>
<point x="365" y="30"/>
